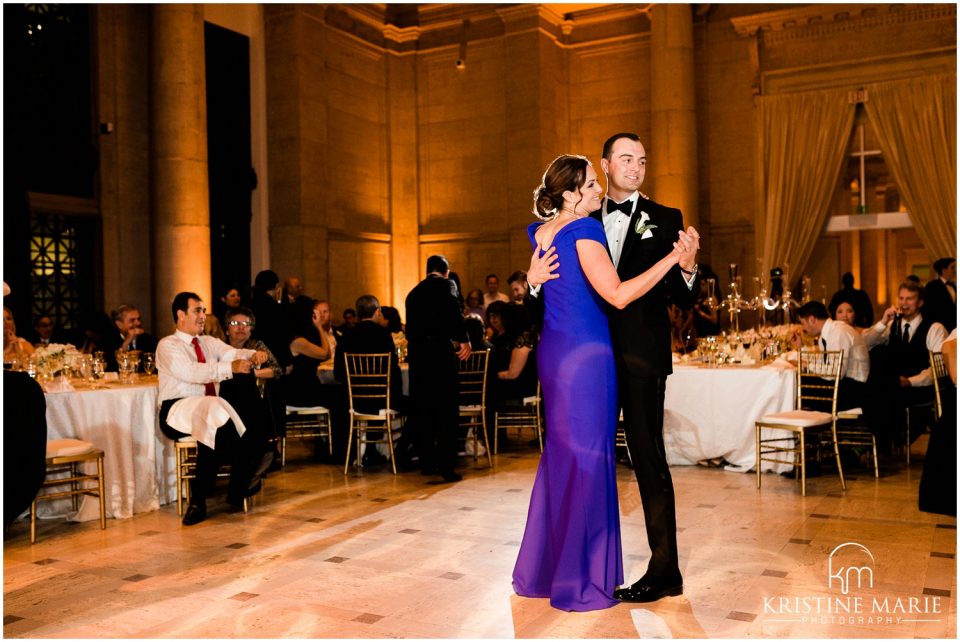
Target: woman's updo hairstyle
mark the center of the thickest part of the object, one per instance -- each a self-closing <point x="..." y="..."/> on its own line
<point x="567" y="172"/>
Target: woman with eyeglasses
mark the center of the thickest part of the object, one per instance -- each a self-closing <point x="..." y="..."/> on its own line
<point x="240" y="324"/>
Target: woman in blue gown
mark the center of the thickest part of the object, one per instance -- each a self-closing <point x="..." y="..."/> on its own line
<point x="571" y="545"/>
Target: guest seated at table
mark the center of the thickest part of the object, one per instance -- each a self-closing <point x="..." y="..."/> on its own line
<point x="513" y="363"/>
<point x="190" y="367"/>
<point x="13" y="346"/>
<point x="860" y="300"/>
<point x="240" y="324"/>
<point x="473" y="304"/>
<point x="493" y="317"/>
<point x="474" y="325"/>
<point x="45" y="332"/>
<point x="95" y="327"/>
<point x="24" y="443"/>
<point x="302" y="386"/>
<point x="845" y="313"/>
<point x="271" y="321"/>
<point x="899" y="345"/>
<point x="349" y="321"/>
<point x="372" y="335"/>
<point x="831" y="336"/>
<point x="128" y="335"/>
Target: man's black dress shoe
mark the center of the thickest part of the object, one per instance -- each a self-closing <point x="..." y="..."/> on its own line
<point x="195" y="514"/>
<point x="451" y="476"/>
<point x="644" y="590"/>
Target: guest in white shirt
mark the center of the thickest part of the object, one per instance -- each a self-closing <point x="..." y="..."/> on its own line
<point x="834" y="336"/>
<point x="190" y="364"/>
<point x="493" y="292"/>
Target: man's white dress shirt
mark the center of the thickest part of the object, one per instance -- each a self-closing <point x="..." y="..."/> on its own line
<point x="837" y="335"/>
<point x="182" y="375"/>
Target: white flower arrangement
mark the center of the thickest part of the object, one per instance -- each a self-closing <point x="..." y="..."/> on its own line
<point x="52" y="358"/>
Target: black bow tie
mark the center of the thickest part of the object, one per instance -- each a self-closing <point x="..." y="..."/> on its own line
<point x="626" y="207"/>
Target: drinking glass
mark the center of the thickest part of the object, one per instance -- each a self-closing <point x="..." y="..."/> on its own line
<point x="148" y="363"/>
<point x="97" y="370"/>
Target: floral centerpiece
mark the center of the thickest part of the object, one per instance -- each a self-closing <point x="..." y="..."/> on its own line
<point x="51" y="359"/>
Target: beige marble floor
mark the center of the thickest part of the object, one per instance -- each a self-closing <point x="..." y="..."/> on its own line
<point x="372" y="556"/>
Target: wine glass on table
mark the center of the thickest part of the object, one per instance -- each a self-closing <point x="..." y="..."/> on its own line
<point x="148" y="363"/>
<point x="97" y="371"/>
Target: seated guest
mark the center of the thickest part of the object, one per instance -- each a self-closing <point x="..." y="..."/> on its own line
<point x="129" y="335"/>
<point x="845" y="313"/>
<point x="292" y="288"/>
<point x="938" y="485"/>
<point x="229" y="298"/>
<point x="302" y="386"/>
<point x="832" y="336"/>
<point x="859" y="299"/>
<point x="95" y="327"/>
<point x="392" y="318"/>
<point x="518" y="286"/>
<point x="13" y="346"/>
<point x="191" y="366"/>
<point x="494" y="321"/>
<point x="474" y="325"/>
<point x="46" y="331"/>
<point x="902" y="340"/>
<point x="474" y="303"/>
<point x="326" y="325"/>
<point x="493" y="292"/>
<point x="513" y="364"/>
<point x="24" y="448"/>
<point x="371" y="336"/>
<point x="940" y="294"/>
<point x="349" y="321"/>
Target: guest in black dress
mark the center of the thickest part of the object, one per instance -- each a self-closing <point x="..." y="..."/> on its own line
<point x="513" y="361"/>
<point x="938" y="485"/>
<point x="302" y="387"/>
<point x="24" y="443"/>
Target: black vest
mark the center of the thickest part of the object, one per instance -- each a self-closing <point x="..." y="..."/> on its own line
<point x="912" y="358"/>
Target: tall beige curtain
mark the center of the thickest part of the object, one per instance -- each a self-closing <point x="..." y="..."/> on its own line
<point x="916" y="124"/>
<point x="802" y="141"/>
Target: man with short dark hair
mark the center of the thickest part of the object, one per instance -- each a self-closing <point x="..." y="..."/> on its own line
<point x="833" y="336"/>
<point x="130" y="335"/>
<point x="436" y="338"/>
<point x="493" y="292"/>
<point x="518" y="286"/>
<point x="191" y="366"/>
<point x="940" y="294"/>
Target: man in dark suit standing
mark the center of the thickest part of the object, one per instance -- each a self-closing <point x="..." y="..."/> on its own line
<point x="436" y="338"/>
<point x="640" y="232"/>
<point x="940" y="294"/>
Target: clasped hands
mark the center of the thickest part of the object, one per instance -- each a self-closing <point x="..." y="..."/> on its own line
<point x="243" y="366"/>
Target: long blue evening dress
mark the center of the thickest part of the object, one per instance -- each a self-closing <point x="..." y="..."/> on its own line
<point x="571" y="546"/>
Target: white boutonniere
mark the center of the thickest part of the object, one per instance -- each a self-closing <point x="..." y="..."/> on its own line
<point x="643" y="228"/>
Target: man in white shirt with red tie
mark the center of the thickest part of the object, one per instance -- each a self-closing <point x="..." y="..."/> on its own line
<point x="191" y="365"/>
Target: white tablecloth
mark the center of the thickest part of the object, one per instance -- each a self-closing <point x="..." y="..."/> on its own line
<point x="139" y="462"/>
<point x="710" y="412"/>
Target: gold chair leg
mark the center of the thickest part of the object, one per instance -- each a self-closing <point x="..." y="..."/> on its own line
<point x="329" y="435"/>
<point x="757" y="429"/>
<point x="393" y="460"/>
<point x="346" y="464"/>
<point x="486" y="439"/>
<point x="836" y="453"/>
<point x="876" y="467"/>
<point x="908" y="436"/>
<point x="103" y="512"/>
<point x="496" y="431"/>
<point x="283" y="451"/>
<point x="33" y="522"/>
<point x="539" y="430"/>
<point x="803" y="464"/>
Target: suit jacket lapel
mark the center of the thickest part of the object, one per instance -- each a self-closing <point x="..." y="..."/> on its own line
<point x="598" y="215"/>
<point x="632" y="235"/>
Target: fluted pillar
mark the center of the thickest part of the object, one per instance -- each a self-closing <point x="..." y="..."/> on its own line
<point x="180" y="193"/>
<point x="673" y="139"/>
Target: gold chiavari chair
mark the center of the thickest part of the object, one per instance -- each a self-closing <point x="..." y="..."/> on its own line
<point x="65" y="456"/>
<point x="304" y="423"/>
<point x="473" y="398"/>
<point x="525" y="416"/>
<point x="368" y="385"/>
<point x="941" y="379"/>
<point x="186" y="451"/>
<point x="818" y="378"/>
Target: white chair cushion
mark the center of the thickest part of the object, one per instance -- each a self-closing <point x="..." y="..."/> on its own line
<point x="529" y="401"/>
<point x="380" y="415"/>
<point x="852" y="412"/>
<point x="799" y="418"/>
<point x="308" y="410"/>
<point x="472" y="408"/>
<point x="68" y="447"/>
<point x="188" y="440"/>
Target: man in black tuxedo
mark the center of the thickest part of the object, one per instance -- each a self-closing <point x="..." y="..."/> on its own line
<point x="130" y="335"/>
<point x="640" y="232"/>
<point x="940" y="294"/>
<point x="436" y="338"/>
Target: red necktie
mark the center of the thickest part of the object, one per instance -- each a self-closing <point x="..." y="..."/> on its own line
<point x="209" y="389"/>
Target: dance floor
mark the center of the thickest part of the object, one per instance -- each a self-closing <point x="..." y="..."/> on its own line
<point x="371" y="555"/>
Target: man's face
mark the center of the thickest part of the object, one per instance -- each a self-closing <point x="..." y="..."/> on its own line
<point x="239" y="328"/>
<point x="350" y="319"/>
<point x="128" y="321"/>
<point x="810" y="325"/>
<point x="193" y="319"/>
<point x="294" y="287"/>
<point x="322" y="311"/>
<point x="44" y="327"/>
<point x="909" y="303"/>
<point x="626" y="167"/>
<point x="493" y="285"/>
<point x="519" y="290"/>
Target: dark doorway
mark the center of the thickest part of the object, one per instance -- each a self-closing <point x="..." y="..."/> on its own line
<point x="232" y="178"/>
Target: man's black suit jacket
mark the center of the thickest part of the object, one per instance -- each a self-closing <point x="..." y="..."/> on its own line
<point x="641" y="331"/>
<point x="939" y="305"/>
<point x="113" y="341"/>
<point x="368" y="337"/>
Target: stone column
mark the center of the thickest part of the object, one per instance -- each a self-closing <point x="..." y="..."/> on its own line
<point x="179" y="188"/>
<point x="672" y="151"/>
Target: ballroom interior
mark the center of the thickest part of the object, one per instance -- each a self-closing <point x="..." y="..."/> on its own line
<point x="153" y="149"/>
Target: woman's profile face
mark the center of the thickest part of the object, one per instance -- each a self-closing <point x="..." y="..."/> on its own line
<point x="590" y="193"/>
<point x="496" y="322"/>
<point x="845" y="313"/>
